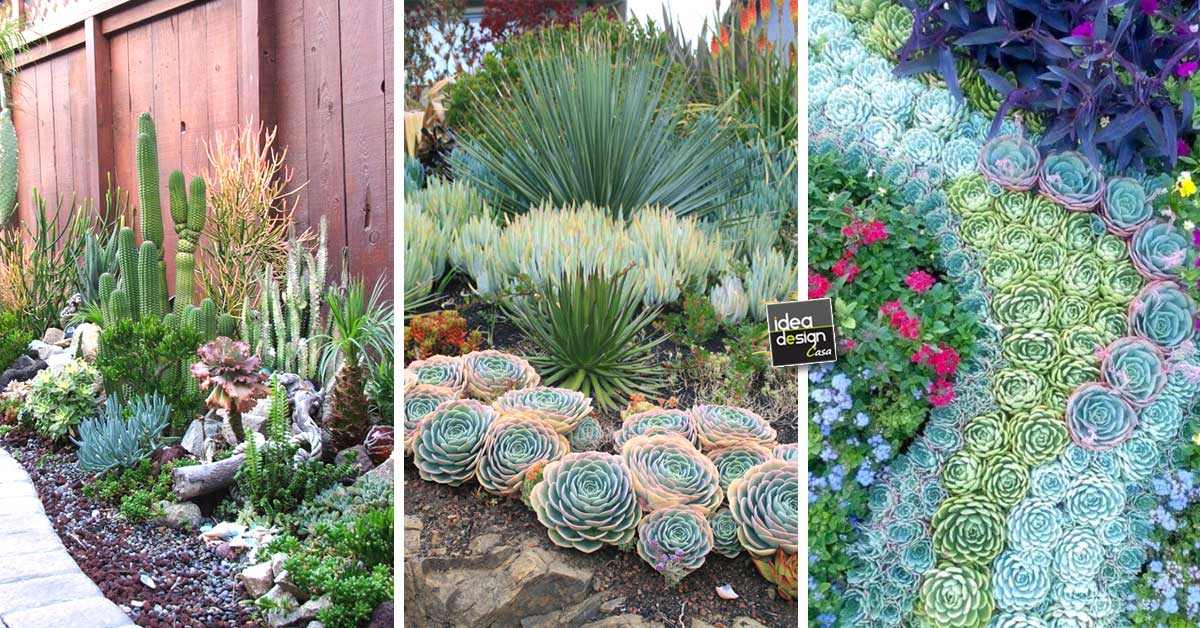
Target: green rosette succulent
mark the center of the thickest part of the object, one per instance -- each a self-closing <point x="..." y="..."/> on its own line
<point x="888" y="31"/>
<point x="1162" y="314"/>
<point x="1016" y="389"/>
<point x="1019" y="583"/>
<point x="766" y="507"/>
<point x="1135" y="369"/>
<point x="1032" y="349"/>
<point x="589" y="436"/>
<point x="1079" y="556"/>
<point x="720" y="426"/>
<point x="1161" y="419"/>
<point x="1124" y="206"/>
<point x="489" y="374"/>
<point x="563" y="409"/>
<point x="586" y="500"/>
<point x="1110" y="319"/>
<point x="976" y="91"/>
<point x="1098" y="418"/>
<point x="655" y="421"/>
<point x="1081" y="276"/>
<point x="968" y="529"/>
<point x="954" y="596"/>
<point x="1010" y="161"/>
<point x="1132" y="457"/>
<point x="1070" y="373"/>
<point x="734" y="461"/>
<point x="984" y="435"/>
<point x="1027" y="304"/>
<point x="1017" y="620"/>
<point x="938" y="111"/>
<point x="1005" y="481"/>
<point x="724" y="530"/>
<point x="438" y="370"/>
<point x="921" y="146"/>
<point x="1048" y="259"/>
<point x="514" y="443"/>
<point x="420" y="401"/>
<point x="969" y="194"/>
<point x="1035" y="525"/>
<point x="447" y="443"/>
<point x="1110" y="248"/>
<point x="1071" y="311"/>
<point x="962" y="473"/>
<point x="1157" y="250"/>
<point x="980" y="230"/>
<point x="675" y="541"/>
<point x="1003" y="269"/>
<point x="1036" y="436"/>
<point x="859" y="10"/>
<point x="1045" y="218"/>
<point x="1071" y="180"/>
<point x="1077" y="233"/>
<point x="1017" y="239"/>
<point x="1014" y="206"/>
<point x="666" y="470"/>
<point x="1120" y="283"/>
<point x="1095" y="499"/>
<point x="1081" y="341"/>
<point x="788" y="452"/>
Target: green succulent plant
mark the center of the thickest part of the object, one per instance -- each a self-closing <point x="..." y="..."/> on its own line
<point x="447" y="443"/>
<point x="675" y="540"/>
<point x="489" y="374"/>
<point x="113" y="441"/>
<point x="586" y="500"/>
<point x="514" y="443"/>
<point x="719" y="426"/>
<point x="765" y="503"/>
<point x="668" y="470"/>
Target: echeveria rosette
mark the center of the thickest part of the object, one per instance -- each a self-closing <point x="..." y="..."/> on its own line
<point x="667" y="469"/>
<point x="1098" y="418"/>
<point x="655" y="421"/>
<point x="563" y="409"/>
<point x="1035" y="524"/>
<point x="788" y="452"/>
<point x="720" y="426"/>
<point x="1003" y="269"/>
<point x="1157" y="250"/>
<point x="921" y="147"/>
<point x="1094" y="500"/>
<point x="1050" y="481"/>
<point x="893" y="100"/>
<point x="447" y="443"/>
<point x="1135" y="369"/>
<point x="1079" y="556"/>
<point x="1110" y="319"/>
<point x="880" y="133"/>
<point x="734" y="461"/>
<point x="955" y="596"/>
<point x="1017" y="239"/>
<point x="1017" y="390"/>
<point x="844" y="53"/>
<point x="968" y="529"/>
<point x="1068" y="374"/>
<point x="1120" y="283"/>
<point x="938" y="111"/>
<point x="984" y="435"/>
<point x="959" y="156"/>
<point x="1077" y="232"/>
<point x="1027" y="304"/>
<point x="969" y="194"/>
<point x="589" y="436"/>
<point x="1036" y="436"/>
<point x="1017" y="620"/>
<point x="1048" y="260"/>
<point x="1110" y="248"/>
<point x="438" y="370"/>
<point x="1005" y="480"/>
<point x="1019" y="583"/>
<point x="724" y="530"/>
<point x="586" y="500"/>
<point x="1033" y="349"/>
<point x="1071" y="311"/>
<point x="980" y="230"/>
<point x="1124" y="206"/>
<point x="1010" y="161"/>
<point x="962" y="473"/>
<point x="1163" y="314"/>
<point x="847" y="107"/>
<point x="766" y="507"/>
<point x="514" y="443"/>
<point x="1046" y="219"/>
<point x="489" y="374"/>
<point x="675" y="541"/>
<point x="1013" y="207"/>
<point x="1071" y="180"/>
<point x="1082" y="274"/>
<point x="420" y="400"/>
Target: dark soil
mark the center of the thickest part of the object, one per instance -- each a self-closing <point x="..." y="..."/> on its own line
<point x="195" y="587"/>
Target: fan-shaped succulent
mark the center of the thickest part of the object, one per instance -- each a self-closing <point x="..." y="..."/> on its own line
<point x="734" y="461"/>
<point x="1124" y="207"/>
<point x="766" y="506"/>
<point x="1071" y="180"/>
<point x="489" y="374"/>
<point x="1135" y="369"/>
<point x="783" y="571"/>
<point x="666" y="470"/>
<point x="1010" y="161"/>
<point x="586" y="500"/>
<point x="562" y="408"/>
<point x="589" y="436"/>
<point x="654" y="421"/>
<point x="968" y="529"/>
<point x="1098" y="418"/>
<point x="953" y="596"/>
<point x="1162" y="314"/>
<point x="721" y="426"/>
<point x="724" y="529"/>
<point x="438" y="370"/>
<point x="675" y="540"/>
<point x="514" y="443"/>
<point x="447" y="443"/>
<point x="420" y="401"/>
<point x="1158" y="250"/>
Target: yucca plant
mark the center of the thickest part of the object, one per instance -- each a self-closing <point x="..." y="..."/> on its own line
<point x="592" y="332"/>
<point x="585" y="129"/>
<point x="362" y="327"/>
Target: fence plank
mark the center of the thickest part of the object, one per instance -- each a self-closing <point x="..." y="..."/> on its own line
<point x="194" y="77"/>
<point x="164" y="44"/>
<point x="99" y="142"/>
<point x="291" y="108"/>
<point x="323" y="92"/>
<point x="24" y="105"/>
<point x="123" y="119"/>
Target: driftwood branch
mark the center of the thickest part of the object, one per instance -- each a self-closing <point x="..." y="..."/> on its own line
<point x="201" y="479"/>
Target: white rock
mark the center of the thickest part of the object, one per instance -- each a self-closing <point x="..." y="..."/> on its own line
<point x="258" y="579"/>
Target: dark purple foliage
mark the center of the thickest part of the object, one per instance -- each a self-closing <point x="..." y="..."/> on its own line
<point x="1075" y="63"/>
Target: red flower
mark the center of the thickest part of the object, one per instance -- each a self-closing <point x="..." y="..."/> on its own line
<point x="841" y="268"/>
<point x="910" y="328"/>
<point x="922" y="354"/>
<point x="919" y="281"/>
<point x="941" y="393"/>
<point x="847" y="344"/>
<point x="898" y="318"/>
<point x="890" y="307"/>
<point x="852" y="272"/>
<point x="818" y="286"/>
<point x="944" y="362"/>
<point x="874" y="232"/>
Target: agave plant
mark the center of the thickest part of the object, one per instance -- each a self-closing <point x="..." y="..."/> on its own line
<point x="766" y="507"/>
<point x="563" y="409"/>
<point x="489" y="374"/>
<point x="447" y="443"/>
<point x="591" y="332"/>
<point x="234" y="375"/>
<point x="438" y="370"/>
<point x="675" y="540"/>
<point x="420" y="401"/>
<point x="586" y="500"/>
<point x="721" y="426"/>
<point x="110" y="441"/>
<point x="514" y="443"/>
<point x="655" y="421"/>
<point x="734" y="461"/>
<point x="667" y="470"/>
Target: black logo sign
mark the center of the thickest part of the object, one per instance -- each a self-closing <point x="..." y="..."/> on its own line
<point x="801" y="332"/>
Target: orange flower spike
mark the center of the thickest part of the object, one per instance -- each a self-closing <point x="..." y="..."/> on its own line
<point x="714" y="46"/>
<point x="724" y="36"/>
<point x="795" y="11"/>
<point x="764" y="8"/>
<point x="762" y="42"/>
<point x="748" y="18"/>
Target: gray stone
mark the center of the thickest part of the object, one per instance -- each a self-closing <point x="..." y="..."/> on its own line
<point x="35" y="592"/>
<point x="93" y="612"/>
<point x="27" y="542"/>
<point x="33" y="565"/>
<point x="23" y="370"/>
<point x="283" y="580"/>
<point x="612" y="605"/>
<point x="199" y="432"/>
<point x="628" y="620"/>
<point x="258" y="579"/>
<point x="299" y="616"/>
<point x="570" y="616"/>
<point x="58" y="361"/>
<point x="746" y="622"/>
<point x="181" y="516"/>
<point x="485" y="543"/>
<point x="385" y="471"/>
<point x="412" y="535"/>
<point x="357" y="456"/>
<point x="384" y="616"/>
<point x="17" y="489"/>
<point x="53" y="336"/>
<point x="44" y="350"/>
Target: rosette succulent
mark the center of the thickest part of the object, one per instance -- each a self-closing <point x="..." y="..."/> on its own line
<point x="589" y="436"/>
<point x="1036" y="436"/>
<point x="847" y="107"/>
<point x="438" y="370"/>
<point x="1011" y="162"/>
<point x="1135" y="369"/>
<point x="1095" y="499"/>
<point x="724" y="529"/>
<point x="655" y="421"/>
<point x="953" y="596"/>
<point x="586" y="500"/>
<point x="888" y="30"/>
<point x="1035" y="524"/>
<point x="1080" y="555"/>
<point x="968" y="529"/>
<point x="1005" y="481"/>
<point x="1019" y="583"/>
<point x="765" y="504"/>
<point x="563" y="409"/>
<point x="891" y="100"/>
<point x="984" y="435"/>
<point x="233" y="373"/>
<point x="783" y="571"/>
<point x="721" y="426"/>
<point x="1027" y="304"/>
<point x="675" y="540"/>
<point x="1124" y="206"/>
<point x="788" y="452"/>
<point x="447" y="443"/>
<point x="1098" y="418"/>
<point x="1071" y="180"/>
<point x="419" y="402"/>
<point x="489" y="374"/>
<point x="734" y="461"/>
<point x="1158" y="250"/>
<point x="1034" y="349"/>
<point x="666" y="470"/>
<point x="969" y="194"/>
<point x="1120" y="283"/>
<point x="514" y="443"/>
<point x="1162" y="314"/>
<point x="961" y="473"/>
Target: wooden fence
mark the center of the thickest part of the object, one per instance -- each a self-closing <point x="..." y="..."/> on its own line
<point x="321" y="70"/>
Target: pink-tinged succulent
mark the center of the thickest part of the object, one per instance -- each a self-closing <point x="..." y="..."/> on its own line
<point x="447" y="443"/>
<point x="420" y="401"/>
<point x="675" y="541"/>
<point x="721" y="426"/>
<point x="514" y="444"/>
<point x="667" y="470"/>
<point x="655" y="421"/>
<point x="766" y="507"/>
<point x="563" y="409"/>
<point x="734" y="461"/>
<point x="232" y="375"/>
<point x="489" y="374"/>
<point x="586" y="500"/>
<point x="438" y="370"/>
<point x="788" y="452"/>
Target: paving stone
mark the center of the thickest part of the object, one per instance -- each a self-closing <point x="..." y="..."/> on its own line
<point x="36" y="565"/>
<point x="93" y="612"/>
<point x="39" y="592"/>
<point x="18" y="505"/>
<point x="25" y="522"/>
<point x="27" y="542"/>
<point x="17" y="489"/>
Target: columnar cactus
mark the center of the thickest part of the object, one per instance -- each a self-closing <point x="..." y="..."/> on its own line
<point x="721" y="426"/>
<point x="447" y="443"/>
<point x="561" y="408"/>
<point x="150" y="203"/>
<point x="667" y="470"/>
<point x="514" y="443"/>
<point x="189" y="216"/>
<point x="489" y="374"/>
<point x="586" y="500"/>
<point x="8" y="167"/>
<point x="766" y="507"/>
<point x="675" y="541"/>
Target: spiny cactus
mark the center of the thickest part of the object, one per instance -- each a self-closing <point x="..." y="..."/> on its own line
<point x="127" y="262"/>
<point x="8" y="167"/>
<point x="150" y="290"/>
<point x="147" y="175"/>
<point x="188" y="215"/>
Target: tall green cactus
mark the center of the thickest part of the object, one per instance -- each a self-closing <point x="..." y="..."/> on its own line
<point x="127" y="262"/>
<point x="189" y="218"/>
<point x="8" y="167"/>
<point x="147" y="175"/>
<point x="150" y="288"/>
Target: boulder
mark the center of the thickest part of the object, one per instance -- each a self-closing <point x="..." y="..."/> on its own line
<point x="58" y="361"/>
<point x="53" y="336"/>
<point x="628" y="620"/>
<point x="181" y="516"/>
<point x="298" y="617"/>
<point x="356" y="456"/>
<point x="384" y="615"/>
<point x="412" y="535"/>
<point x="86" y="341"/>
<point x="385" y="472"/>
<point x="23" y="370"/>
<point x="44" y="350"/>
<point x="283" y="580"/>
<point x="201" y="431"/>
<point x="258" y="579"/>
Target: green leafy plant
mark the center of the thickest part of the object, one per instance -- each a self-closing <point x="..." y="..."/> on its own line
<point x="37" y="262"/>
<point x="381" y="391"/>
<point x="120" y="437"/>
<point x="59" y="401"/>
<point x="137" y="490"/>
<point x="147" y="357"/>
<point x="15" y="335"/>
<point x="362" y="335"/>
<point x="698" y="321"/>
